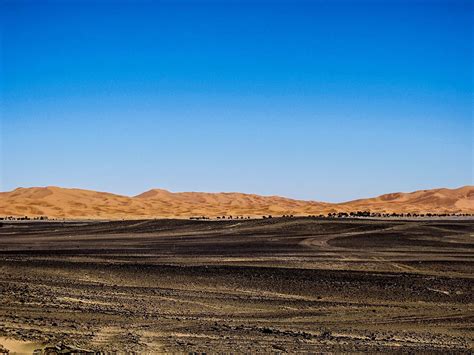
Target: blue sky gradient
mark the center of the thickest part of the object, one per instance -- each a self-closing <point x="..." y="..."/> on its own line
<point x="324" y="100"/>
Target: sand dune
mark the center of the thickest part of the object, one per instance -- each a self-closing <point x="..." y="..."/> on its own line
<point x="77" y="203"/>
<point x="437" y="200"/>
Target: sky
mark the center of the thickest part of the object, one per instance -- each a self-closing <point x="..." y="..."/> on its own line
<point x="321" y="100"/>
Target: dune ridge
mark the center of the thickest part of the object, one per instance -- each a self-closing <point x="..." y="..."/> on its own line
<point x="57" y="202"/>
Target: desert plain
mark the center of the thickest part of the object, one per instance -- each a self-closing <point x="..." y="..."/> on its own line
<point x="279" y="285"/>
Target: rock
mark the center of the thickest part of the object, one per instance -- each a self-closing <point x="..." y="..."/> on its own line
<point x="64" y="349"/>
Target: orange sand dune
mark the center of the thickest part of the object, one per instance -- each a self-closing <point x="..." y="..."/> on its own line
<point x="56" y="202"/>
<point x="459" y="200"/>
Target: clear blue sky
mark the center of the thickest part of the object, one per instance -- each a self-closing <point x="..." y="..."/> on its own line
<point x="324" y="100"/>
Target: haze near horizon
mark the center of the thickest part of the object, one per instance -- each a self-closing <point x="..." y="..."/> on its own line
<point x="326" y="101"/>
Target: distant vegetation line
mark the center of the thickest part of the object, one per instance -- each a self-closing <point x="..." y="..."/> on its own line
<point x="358" y="214"/>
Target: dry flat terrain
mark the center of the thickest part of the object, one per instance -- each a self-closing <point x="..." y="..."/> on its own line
<point x="275" y="285"/>
<point x="56" y="202"/>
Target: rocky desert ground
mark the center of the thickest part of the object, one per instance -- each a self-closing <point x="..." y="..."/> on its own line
<point x="276" y="285"/>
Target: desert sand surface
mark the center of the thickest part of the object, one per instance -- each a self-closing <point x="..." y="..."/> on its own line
<point x="275" y="285"/>
<point x="56" y="202"/>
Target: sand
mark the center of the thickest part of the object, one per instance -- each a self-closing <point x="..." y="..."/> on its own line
<point x="56" y="202"/>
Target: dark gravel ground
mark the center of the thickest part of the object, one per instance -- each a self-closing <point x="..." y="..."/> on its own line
<point x="279" y="285"/>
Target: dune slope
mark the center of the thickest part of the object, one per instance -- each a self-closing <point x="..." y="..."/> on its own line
<point x="436" y="200"/>
<point x="77" y="203"/>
